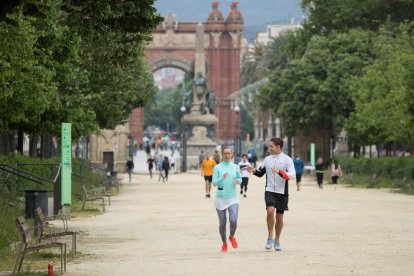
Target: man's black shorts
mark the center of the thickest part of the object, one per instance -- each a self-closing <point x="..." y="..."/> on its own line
<point x="245" y="181"/>
<point x="298" y="178"/>
<point x="279" y="201"/>
<point x="208" y="178"/>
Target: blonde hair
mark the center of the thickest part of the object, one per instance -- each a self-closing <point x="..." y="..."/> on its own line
<point x="223" y="147"/>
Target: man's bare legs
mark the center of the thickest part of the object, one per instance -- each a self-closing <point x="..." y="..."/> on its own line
<point x="279" y="225"/>
<point x="270" y="221"/>
<point x="276" y="224"/>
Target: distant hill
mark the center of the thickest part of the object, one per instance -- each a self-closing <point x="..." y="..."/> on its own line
<point x="256" y="13"/>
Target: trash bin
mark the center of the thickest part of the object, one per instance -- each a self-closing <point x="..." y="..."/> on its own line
<point x="114" y="174"/>
<point x="35" y="199"/>
<point x="113" y="177"/>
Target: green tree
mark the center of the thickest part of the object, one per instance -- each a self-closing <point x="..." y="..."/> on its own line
<point x="112" y="53"/>
<point x="326" y="58"/>
<point x="383" y="96"/>
<point x="314" y="91"/>
<point x="325" y="16"/>
<point x="27" y="85"/>
<point x="165" y="107"/>
<point x="6" y="6"/>
<point x="61" y="55"/>
<point x="275" y="53"/>
<point x="72" y="61"/>
<point x="251" y="70"/>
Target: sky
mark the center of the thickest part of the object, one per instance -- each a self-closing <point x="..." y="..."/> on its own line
<point x="254" y="12"/>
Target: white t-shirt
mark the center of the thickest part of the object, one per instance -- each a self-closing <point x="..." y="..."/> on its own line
<point x="243" y="166"/>
<point x="274" y="182"/>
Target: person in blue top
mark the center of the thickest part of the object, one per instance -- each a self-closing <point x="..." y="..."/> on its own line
<point x="299" y="166"/>
<point x="226" y="176"/>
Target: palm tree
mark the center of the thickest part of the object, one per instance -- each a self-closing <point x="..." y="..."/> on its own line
<point x="274" y="55"/>
<point x="251" y="59"/>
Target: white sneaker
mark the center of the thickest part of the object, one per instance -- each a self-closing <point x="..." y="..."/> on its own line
<point x="278" y="246"/>
<point x="269" y="243"/>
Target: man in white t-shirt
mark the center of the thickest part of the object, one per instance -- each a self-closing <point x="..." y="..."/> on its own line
<point x="278" y="168"/>
<point x="244" y="164"/>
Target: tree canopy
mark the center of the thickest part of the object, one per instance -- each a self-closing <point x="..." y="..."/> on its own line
<point x="346" y="67"/>
<point x="73" y="61"/>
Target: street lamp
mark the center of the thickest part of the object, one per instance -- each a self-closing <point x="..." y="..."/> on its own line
<point x="237" y="108"/>
<point x="131" y="146"/>
<point x="184" y="141"/>
<point x="237" y="139"/>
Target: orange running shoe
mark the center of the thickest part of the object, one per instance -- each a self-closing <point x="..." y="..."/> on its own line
<point x="224" y="248"/>
<point x="233" y="241"/>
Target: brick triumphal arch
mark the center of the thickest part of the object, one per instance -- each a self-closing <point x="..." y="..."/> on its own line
<point x="173" y="45"/>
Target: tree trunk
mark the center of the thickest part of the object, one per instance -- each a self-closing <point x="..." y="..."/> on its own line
<point x="20" y="138"/>
<point x="58" y="149"/>
<point x="3" y="145"/>
<point x="6" y="144"/>
<point x="333" y="145"/>
<point x="289" y="146"/>
<point x="46" y="150"/>
<point x="350" y="146"/>
<point x="357" y="151"/>
<point x="33" y="151"/>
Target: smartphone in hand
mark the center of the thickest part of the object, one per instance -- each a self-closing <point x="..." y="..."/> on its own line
<point x="249" y="168"/>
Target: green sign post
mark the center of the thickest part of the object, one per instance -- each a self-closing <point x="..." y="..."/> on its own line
<point x="66" y="183"/>
<point x="312" y="154"/>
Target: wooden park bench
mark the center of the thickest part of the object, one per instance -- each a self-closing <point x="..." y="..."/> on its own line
<point x="27" y="245"/>
<point x="89" y="196"/>
<point x="373" y="180"/>
<point x="110" y="181"/>
<point x="45" y="222"/>
<point x="401" y="184"/>
<point x="349" y="178"/>
<point x="101" y="191"/>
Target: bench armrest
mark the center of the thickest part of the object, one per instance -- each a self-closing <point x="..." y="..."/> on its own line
<point x="50" y="228"/>
<point x="58" y="216"/>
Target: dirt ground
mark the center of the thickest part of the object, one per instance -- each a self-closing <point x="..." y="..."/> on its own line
<point x="155" y="228"/>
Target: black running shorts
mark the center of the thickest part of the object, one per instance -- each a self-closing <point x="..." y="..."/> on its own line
<point x="279" y="201"/>
<point x="208" y="178"/>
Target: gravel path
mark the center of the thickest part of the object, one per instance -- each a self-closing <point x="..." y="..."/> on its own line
<point x="155" y="228"/>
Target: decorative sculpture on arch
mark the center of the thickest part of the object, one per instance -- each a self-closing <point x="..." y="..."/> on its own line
<point x="205" y="98"/>
<point x="200" y="83"/>
<point x="199" y="119"/>
<point x="188" y="99"/>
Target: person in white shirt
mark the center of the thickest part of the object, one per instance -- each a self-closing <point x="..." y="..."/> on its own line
<point x="244" y="164"/>
<point x="278" y="168"/>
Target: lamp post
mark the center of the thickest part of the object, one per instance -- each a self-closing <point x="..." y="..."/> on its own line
<point x="131" y="146"/>
<point x="184" y="142"/>
<point x="237" y="141"/>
